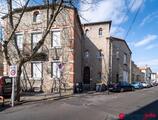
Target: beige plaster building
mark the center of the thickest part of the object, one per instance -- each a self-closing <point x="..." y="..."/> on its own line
<point x="60" y="58"/>
<point x="96" y="53"/>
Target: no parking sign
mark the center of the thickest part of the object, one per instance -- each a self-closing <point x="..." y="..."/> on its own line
<point x="13" y="71"/>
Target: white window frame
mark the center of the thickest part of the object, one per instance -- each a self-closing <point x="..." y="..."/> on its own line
<point x="40" y="70"/>
<point x="20" y="44"/>
<point x="52" y="39"/>
<point x="56" y="74"/>
<point x="33" y="43"/>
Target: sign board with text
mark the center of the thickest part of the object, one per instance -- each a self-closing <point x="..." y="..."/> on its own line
<point x="13" y="71"/>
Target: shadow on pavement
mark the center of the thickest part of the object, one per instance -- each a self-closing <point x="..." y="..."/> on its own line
<point x="148" y="112"/>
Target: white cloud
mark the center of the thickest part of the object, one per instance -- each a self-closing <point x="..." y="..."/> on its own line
<point x="149" y="47"/>
<point x="149" y="18"/>
<point x="104" y="10"/>
<point x="148" y="39"/>
<point x="149" y="62"/>
<point x="117" y="31"/>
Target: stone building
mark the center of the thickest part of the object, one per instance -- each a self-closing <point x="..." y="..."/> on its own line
<point x="137" y="75"/>
<point x="120" y="60"/>
<point x="96" y="53"/>
<point x="1" y="60"/>
<point x="60" y="58"/>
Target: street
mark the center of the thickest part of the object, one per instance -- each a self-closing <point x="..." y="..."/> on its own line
<point x="136" y="105"/>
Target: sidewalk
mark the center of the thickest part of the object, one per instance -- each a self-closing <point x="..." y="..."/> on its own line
<point x="28" y="98"/>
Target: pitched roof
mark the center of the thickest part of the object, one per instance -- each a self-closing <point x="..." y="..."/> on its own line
<point x="119" y="39"/>
<point x="98" y="23"/>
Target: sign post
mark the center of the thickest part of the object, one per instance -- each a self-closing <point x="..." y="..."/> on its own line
<point x="13" y="74"/>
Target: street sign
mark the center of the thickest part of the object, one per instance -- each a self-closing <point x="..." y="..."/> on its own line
<point x="13" y="74"/>
<point x="13" y="71"/>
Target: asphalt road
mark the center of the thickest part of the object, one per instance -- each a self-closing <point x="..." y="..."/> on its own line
<point x="135" y="105"/>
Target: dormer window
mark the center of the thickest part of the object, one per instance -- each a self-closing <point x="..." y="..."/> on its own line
<point x="100" y="32"/>
<point x="36" y="16"/>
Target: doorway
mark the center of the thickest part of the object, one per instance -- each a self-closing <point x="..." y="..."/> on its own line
<point x="86" y="75"/>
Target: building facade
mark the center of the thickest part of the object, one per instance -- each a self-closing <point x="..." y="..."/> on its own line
<point x="147" y="73"/>
<point x="96" y="53"/>
<point x="59" y="60"/>
<point x="1" y="61"/>
<point x="137" y="75"/>
<point x="120" y="60"/>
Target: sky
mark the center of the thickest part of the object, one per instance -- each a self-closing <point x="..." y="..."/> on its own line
<point x="139" y="17"/>
<point x="135" y="21"/>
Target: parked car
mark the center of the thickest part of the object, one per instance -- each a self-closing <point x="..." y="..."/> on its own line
<point x="145" y="85"/>
<point x="137" y="85"/>
<point x="122" y="86"/>
<point x="5" y="86"/>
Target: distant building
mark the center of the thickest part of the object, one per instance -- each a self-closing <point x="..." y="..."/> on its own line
<point x="120" y="60"/>
<point x="137" y="75"/>
<point x="147" y="73"/>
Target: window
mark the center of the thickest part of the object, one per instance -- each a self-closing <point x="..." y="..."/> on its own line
<point x="86" y="31"/>
<point x="100" y="32"/>
<point x="36" y="37"/>
<point x="37" y="70"/>
<point x="56" y="73"/>
<point x="99" y="54"/>
<point x="56" y="42"/>
<point x="125" y="58"/>
<point x="36" y="16"/>
<point x="19" y="39"/>
<point x="86" y="54"/>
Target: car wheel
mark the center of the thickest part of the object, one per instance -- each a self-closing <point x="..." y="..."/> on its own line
<point x="121" y="90"/>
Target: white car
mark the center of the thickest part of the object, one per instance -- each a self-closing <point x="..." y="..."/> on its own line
<point x="145" y="85"/>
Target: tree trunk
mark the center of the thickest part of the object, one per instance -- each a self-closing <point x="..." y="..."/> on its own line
<point x="18" y="82"/>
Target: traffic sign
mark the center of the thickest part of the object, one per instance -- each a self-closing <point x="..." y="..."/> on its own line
<point x="13" y="71"/>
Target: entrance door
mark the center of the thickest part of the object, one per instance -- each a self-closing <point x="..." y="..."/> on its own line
<point x="86" y="75"/>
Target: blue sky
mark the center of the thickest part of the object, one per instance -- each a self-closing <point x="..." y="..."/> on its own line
<point x="143" y="36"/>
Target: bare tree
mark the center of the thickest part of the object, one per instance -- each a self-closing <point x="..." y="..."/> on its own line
<point x="15" y="56"/>
<point x="20" y="60"/>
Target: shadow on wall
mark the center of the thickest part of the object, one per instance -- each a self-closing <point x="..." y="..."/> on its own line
<point x="92" y="67"/>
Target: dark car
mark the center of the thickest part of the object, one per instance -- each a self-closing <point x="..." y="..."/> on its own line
<point x="122" y="86"/>
<point x="5" y="86"/>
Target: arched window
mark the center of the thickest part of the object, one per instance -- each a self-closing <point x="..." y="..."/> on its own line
<point x="86" y="31"/>
<point x="36" y="16"/>
<point x="100" y="32"/>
